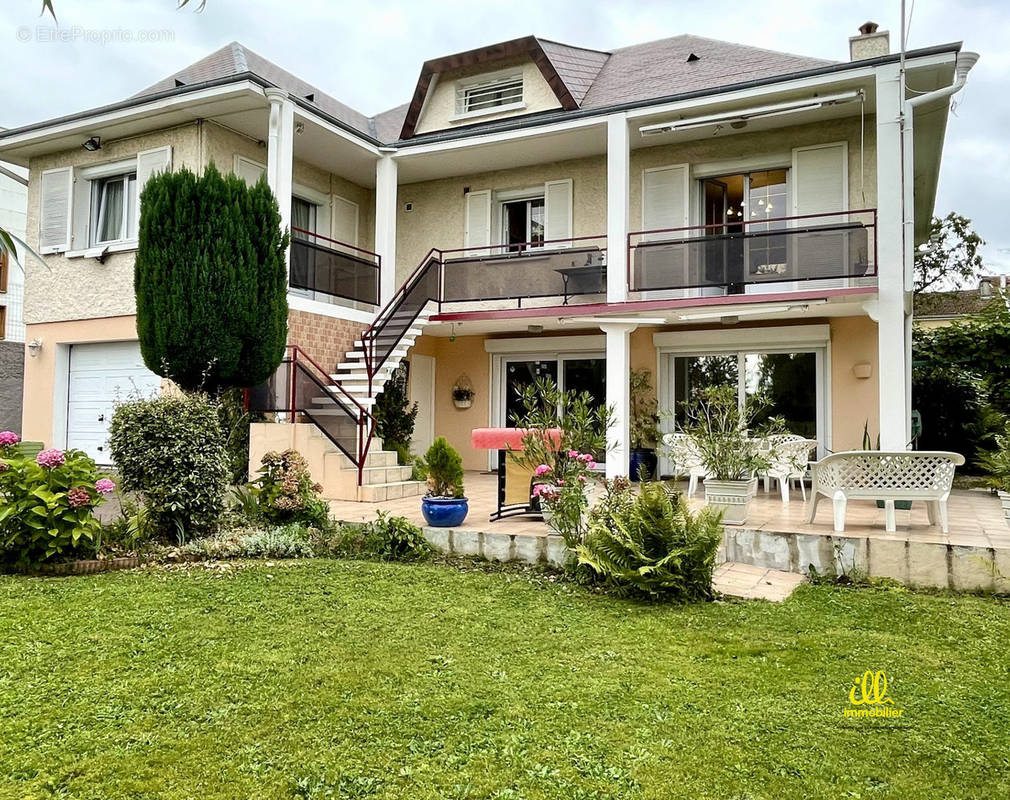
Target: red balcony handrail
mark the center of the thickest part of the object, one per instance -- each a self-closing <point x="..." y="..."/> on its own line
<point x="314" y="235"/>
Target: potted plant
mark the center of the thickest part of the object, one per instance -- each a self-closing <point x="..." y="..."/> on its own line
<point x="718" y="426"/>
<point x="644" y="426"/>
<point x="444" y="506"/>
<point x="462" y="396"/>
<point x="997" y="464"/>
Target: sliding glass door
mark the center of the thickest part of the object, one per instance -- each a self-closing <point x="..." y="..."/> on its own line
<point x="793" y="382"/>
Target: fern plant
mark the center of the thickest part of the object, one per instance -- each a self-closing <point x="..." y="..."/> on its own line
<point x="652" y="546"/>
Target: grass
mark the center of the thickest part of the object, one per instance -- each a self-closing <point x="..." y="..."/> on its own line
<point x="333" y="679"/>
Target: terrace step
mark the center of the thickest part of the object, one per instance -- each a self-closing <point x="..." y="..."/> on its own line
<point x="391" y="491"/>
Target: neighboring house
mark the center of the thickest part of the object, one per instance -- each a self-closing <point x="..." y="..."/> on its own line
<point x="13" y="218"/>
<point x="708" y="210"/>
<point x="936" y="309"/>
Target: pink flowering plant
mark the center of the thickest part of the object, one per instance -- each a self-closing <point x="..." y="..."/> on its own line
<point x="47" y="504"/>
<point x="285" y="491"/>
<point x="565" y="470"/>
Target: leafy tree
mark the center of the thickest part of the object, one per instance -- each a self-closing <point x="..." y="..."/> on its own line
<point x="950" y="257"/>
<point x="961" y="380"/>
<point x="210" y="280"/>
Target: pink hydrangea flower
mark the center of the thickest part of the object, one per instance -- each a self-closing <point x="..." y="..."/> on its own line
<point x="104" y="486"/>
<point x="8" y="438"/>
<point x="51" y="458"/>
<point x="543" y="469"/>
<point x="78" y="497"/>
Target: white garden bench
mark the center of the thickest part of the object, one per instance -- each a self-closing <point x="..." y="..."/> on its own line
<point x="887" y="476"/>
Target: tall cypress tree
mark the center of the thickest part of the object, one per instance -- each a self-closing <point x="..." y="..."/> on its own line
<point x="210" y="280"/>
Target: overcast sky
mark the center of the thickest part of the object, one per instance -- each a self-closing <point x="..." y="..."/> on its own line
<point x="368" y="54"/>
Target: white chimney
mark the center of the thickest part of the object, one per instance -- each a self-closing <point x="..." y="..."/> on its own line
<point x="870" y="43"/>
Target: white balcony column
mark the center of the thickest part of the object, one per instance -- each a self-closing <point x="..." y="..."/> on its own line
<point x="618" y="184"/>
<point x="618" y="395"/>
<point x="385" y="225"/>
<point x="280" y="150"/>
<point x="893" y="290"/>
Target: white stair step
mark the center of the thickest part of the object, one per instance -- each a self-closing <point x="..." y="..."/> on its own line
<point x="357" y="354"/>
<point x="406" y="341"/>
<point x="390" y="491"/>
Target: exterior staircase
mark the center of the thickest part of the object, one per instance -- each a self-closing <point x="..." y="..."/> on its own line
<point x="332" y="425"/>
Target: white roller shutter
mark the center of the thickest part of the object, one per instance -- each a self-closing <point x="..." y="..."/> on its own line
<point x="56" y="190"/>
<point x="150" y="162"/>
<point x="558" y="212"/>
<point x="250" y="171"/>
<point x="820" y="186"/>
<point x="477" y="232"/>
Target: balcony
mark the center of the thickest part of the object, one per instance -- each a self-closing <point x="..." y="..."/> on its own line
<point x="813" y="250"/>
<point x="332" y="270"/>
<point x="561" y="270"/>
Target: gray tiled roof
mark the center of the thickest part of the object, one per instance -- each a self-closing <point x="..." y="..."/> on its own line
<point x="660" y="68"/>
<point x="577" y="66"/>
<point x="594" y="78"/>
<point x="237" y="59"/>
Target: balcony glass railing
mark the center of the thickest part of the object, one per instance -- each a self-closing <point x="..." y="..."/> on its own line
<point x="333" y="269"/>
<point x="745" y="256"/>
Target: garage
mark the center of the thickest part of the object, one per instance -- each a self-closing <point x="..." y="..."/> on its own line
<point x="102" y="375"/>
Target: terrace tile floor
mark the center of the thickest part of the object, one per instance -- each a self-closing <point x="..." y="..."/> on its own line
<point x="976" y="517"/>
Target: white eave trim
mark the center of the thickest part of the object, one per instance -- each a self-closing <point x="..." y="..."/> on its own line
<point x="336" y="130"/>
<point x="85" y="124"/>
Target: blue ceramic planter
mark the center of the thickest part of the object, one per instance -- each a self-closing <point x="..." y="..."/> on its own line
<point x="444" y="512"/>
<point x="643" y="457"/>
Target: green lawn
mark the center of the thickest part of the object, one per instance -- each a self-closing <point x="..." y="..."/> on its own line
<point x="332" y="679"/>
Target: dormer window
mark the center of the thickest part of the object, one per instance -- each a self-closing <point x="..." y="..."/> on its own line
<point x="489" y="94"/>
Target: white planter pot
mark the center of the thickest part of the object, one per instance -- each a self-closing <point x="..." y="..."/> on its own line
<point x="463" y="403"/>
<point x="1004" y="498"/>
<point x="731" y="497"/>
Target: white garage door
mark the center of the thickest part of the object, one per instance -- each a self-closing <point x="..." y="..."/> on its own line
<point x="102" y="375"/>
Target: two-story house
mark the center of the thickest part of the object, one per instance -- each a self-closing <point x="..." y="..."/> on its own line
<point x="711" y="211"/>
<point x="13" y="218"/>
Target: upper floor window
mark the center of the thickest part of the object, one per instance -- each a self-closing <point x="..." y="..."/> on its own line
<point x="113" y="209"/>
<point x="489" y="93"/>
<point x="304" y="216"/>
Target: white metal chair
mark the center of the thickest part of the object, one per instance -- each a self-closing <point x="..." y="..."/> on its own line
<point x="686" y="459"/>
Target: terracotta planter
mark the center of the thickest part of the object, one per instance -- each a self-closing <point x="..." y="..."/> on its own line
<point x="731" y="497"/>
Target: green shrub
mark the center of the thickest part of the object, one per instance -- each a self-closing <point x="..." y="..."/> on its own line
<point x="171" y="451"/>
<point x="130" y="531"/>
<point x="652" y="546"/>
<point x="286" y="492"/>
<point x="445" y="469"/>
<point x="47" y="505"/>
<point x="286" y="541"/>
<point x="395" y="416"/>
<point x="996" y="463"/>
<point x="394" y="539"/>
<point x="388" y="538"/>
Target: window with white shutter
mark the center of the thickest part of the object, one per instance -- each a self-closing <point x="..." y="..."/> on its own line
<point x="56" y="187"/>
<point x="345" y="221"/>
<point x="250" y="171"/>
<point x="820" y="186"/>
<point x="150" y="162"/>
<point x="665" y="199"/>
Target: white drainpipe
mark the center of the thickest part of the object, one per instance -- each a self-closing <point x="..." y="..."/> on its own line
<point x="965" y="61"/>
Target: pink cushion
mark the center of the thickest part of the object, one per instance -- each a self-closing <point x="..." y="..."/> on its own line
<point x="505" y="438"/>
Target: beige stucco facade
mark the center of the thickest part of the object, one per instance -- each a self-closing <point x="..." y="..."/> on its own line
<point x="439" y="110"/>
<point x="438" y="207"/>
<point x="81" y="288"/>
<point x="851" y="400"/>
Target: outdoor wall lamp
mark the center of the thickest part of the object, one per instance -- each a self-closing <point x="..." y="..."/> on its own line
<point x="93" y="143"/>
<point x="34" y="346"/>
